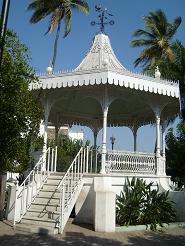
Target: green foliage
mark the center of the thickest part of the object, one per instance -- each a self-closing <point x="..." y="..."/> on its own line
<point x="156" y="38"/>
<point x="139" y="204"/>
<point x="158" y="209"/>
<point x="67" y="150"/>
<point x="175" y="69"/>
<point x="19" y="110"/>
<point x="38" y="143"/>
<point x="175" y="154"/>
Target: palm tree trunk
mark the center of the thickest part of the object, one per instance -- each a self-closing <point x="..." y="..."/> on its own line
<point x="56" y="44"/>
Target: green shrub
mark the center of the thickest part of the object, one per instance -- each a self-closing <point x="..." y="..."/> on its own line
<point x="139" y="204"/>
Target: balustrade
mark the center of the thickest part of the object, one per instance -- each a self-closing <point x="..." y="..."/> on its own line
<point x="133" y="162"/>
<point x="30" y="187"/>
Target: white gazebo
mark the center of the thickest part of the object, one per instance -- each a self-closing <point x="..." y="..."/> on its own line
<point x="101" y="92"/>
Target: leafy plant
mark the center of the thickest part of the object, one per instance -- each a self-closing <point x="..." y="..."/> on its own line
<point x="158" y="209"/>
<point x="139" y="204"/>
<point x="67" y="150"/>
<point x="38" y="143"/>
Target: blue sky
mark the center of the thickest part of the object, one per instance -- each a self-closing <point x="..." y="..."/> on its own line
<point x="71" y="50"/>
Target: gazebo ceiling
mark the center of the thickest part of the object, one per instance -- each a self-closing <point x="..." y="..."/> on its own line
<point x="82" y="106"/>
<point x="77" y="96"/>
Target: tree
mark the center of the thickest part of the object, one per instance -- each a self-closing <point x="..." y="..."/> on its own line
<point x="174" y="70"/>
<point x="175" y="154"/>
<point x="156" y="37"/>
<point x="19" y="112"/>
<point x="58" y="10"/>
<point x="67" y="150"/>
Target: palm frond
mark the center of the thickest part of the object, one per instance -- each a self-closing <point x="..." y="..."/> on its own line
<point x="81" y="5"/>
<point x="174" y="26"/>
<point x="142" y="42"/>
<point x="140" y="32"/>
<point x="156" y="37"/>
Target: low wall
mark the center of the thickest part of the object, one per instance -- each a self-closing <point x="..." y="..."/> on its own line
<point x="178" y="197"/>
<point x="85" y="204"/>
<point x="84" y="207"/>
<point x="25" y="194"/>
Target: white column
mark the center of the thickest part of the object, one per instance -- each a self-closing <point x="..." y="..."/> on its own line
<point x="159" y="163"/>
<point x="104" y="205"/>
<point x="95" y="133"/>
<point x="164" y="125"/>
<point x="135" y="128"/>
<point x="163" y="139"/>
<point x="45" y="131"/>
<point x="47" y="107"/>
<point x="157" y="134"/>
<point x="105" y="107"/>
<point x="104" y="137"/>
<point x="135" y="141"/>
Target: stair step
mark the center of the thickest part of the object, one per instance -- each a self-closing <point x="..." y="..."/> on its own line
<point x="57" y="174"/>
<point x="45" y="200"/>
<point x="50" y="187"/>
<point x="36" y="229"/>
<point x="38" y="221"/>
<point x="53" y="182"/>
<point x="49" y="194"/>
<point x="48" y="207"/>
<point x="55" y="177"/>
<point x="43" y="214"/>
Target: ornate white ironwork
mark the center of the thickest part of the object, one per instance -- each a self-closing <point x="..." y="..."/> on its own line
<point x="71" y="184"/>
<point x="130" y="162"/>
<point x="28" y="190"/>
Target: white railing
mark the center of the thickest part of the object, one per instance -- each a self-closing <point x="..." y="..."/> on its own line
<point x="92" y="166"/>
<point x="71" y="185"/>
<point x="27" y="191"/>
<point x="130" y="162"/>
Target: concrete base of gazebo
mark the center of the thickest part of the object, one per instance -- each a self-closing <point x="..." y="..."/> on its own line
<point x="86" y="207"/>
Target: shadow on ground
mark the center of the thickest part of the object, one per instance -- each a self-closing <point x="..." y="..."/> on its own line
<point x="87" y="237"/>
<point x="70" y="239"/>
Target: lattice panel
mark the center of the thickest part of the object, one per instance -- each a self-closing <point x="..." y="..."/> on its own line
<point x="130" y="162"/>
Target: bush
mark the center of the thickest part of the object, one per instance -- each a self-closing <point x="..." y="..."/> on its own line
<point x="139" y="204"/>
<point x="67" y="150"/>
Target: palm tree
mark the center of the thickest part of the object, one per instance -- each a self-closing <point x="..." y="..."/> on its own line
<point x="58" y="10"/>
<point x="175" y="70"/>
<point x="156" y="38"/>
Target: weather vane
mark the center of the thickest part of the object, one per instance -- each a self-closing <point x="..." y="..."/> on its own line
<point x="103" y="16"/>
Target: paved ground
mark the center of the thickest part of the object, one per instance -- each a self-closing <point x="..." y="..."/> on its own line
<point x="84" y="235"/>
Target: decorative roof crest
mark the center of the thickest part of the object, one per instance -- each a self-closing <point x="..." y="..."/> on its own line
<point x="103" y="16"/>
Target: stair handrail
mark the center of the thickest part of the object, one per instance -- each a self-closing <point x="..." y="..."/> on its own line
<point x="71" y="180"/>
<point x="39" y="174"/>
<point x="60" y="184"/>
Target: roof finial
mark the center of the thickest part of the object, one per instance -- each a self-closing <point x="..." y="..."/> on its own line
<point x="49" y="69"/>
<point x="157" y="72"/>
<point x="103" y="18"/>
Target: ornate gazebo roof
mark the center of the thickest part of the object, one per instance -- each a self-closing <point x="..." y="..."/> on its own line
<point x="76" y="96"/>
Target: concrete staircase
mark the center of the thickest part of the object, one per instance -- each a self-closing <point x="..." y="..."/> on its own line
<point x="43" y="214"/>
<point x="48" y="211"/>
